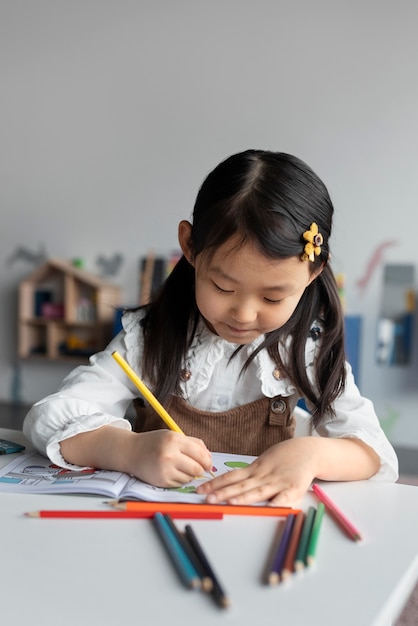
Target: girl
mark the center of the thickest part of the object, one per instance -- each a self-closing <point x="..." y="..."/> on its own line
<point x="248" y="322"/>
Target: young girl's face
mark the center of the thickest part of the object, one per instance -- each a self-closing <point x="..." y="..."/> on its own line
<point x="242" y="294"/>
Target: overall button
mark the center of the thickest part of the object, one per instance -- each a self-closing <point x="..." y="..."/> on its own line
<point x="276" y="373"/>
<point x="185" y="375"/>
<point x="278" y="406"/>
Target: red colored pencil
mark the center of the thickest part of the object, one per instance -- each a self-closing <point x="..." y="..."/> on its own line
<point x="122" y="514"/>
<point x="336" y="513"/>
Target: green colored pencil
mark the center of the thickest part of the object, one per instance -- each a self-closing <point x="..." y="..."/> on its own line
<point x="300" y="559"/>
<point x="313" y="540"/>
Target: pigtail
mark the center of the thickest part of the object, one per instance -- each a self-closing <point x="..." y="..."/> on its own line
<point x="166" y="328"/>
<point x="330" y="362"/>
<point x="320" y="302"/>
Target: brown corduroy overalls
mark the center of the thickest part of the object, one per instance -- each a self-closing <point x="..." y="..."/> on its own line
<point x="247" y="429"/>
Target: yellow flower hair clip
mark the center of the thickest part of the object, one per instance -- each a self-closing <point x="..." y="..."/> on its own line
<point x="314" y="242"/>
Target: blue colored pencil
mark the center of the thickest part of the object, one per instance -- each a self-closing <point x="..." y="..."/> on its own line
<point x="278" y="561"/>
<point x="182" y="563"/>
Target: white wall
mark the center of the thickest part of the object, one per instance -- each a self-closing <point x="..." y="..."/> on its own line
<point x="113" y="111"/>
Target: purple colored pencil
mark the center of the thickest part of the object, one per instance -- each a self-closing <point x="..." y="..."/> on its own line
<point x="278" y="561"/>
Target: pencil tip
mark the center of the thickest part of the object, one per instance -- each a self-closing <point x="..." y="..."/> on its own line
<point x="196" y="583"/>
<point x="31" y="514"/>
<point x="116" y="504"/>
<point x="207" y="584"/>
<point x="273" y="578"/>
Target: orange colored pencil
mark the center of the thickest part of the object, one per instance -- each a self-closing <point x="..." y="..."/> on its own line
<point x="144" y="514"/>
<point x="225" y="509"/>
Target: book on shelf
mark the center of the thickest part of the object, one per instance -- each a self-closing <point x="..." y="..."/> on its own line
<point x="33" y="473"/>
<point x="154" y="269"/>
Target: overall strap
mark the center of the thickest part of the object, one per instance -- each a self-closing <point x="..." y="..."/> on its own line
<point x="247" y="429"/>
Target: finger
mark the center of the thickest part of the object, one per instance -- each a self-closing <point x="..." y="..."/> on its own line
<point x="286" y="497"/>
<point x="201" y="443"/>
<point x="196" y="449"/>
<point x="220" y="482"/>
<point x="193" y="468"/>
<point x="244" y="492"/>
<point x="177" y="478"/>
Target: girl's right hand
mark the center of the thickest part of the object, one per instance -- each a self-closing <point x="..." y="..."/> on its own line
<point x="165" y="458"/>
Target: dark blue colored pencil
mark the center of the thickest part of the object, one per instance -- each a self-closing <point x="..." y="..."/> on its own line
<point x="218" y="592"/>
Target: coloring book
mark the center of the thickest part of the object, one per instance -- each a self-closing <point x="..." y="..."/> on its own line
<point x="33" y="473"/>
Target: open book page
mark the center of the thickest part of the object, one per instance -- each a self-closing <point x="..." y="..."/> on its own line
<point x="33" y="473"/>
<point x="221" y="463"/>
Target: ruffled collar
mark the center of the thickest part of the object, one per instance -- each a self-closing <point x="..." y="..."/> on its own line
<point x="208" y="349"/>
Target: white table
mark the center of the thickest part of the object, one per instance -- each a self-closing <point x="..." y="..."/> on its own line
<point x="107" y="572"/>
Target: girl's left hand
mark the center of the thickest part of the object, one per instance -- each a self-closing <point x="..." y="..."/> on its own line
<point x="281" y="476"/>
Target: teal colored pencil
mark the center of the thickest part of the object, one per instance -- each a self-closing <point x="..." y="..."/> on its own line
<point x="182" y="563"/>
<point x="301" y="552"/>
<point x="313" y="540"/>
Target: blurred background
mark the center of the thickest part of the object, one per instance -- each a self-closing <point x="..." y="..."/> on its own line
<point x="112" y="112"/>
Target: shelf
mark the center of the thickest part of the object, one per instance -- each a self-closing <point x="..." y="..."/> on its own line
<point x="65" y="313"/>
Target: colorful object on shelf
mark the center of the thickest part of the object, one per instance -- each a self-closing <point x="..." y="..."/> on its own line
<point x="52" y="310"/>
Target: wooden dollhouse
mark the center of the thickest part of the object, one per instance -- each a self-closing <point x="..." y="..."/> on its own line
<point x="64" y="312"/>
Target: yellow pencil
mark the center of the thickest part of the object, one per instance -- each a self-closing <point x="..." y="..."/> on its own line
<point x="148" y="395"/>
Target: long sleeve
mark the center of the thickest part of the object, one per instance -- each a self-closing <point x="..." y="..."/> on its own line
<point x="91" y="396"/>
<point x="356" y="418"/>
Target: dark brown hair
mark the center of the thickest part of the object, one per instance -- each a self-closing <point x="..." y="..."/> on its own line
<point x="269" y="198"/>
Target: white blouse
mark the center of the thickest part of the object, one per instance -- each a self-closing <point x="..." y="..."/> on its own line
<point x="100" y="393"/>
